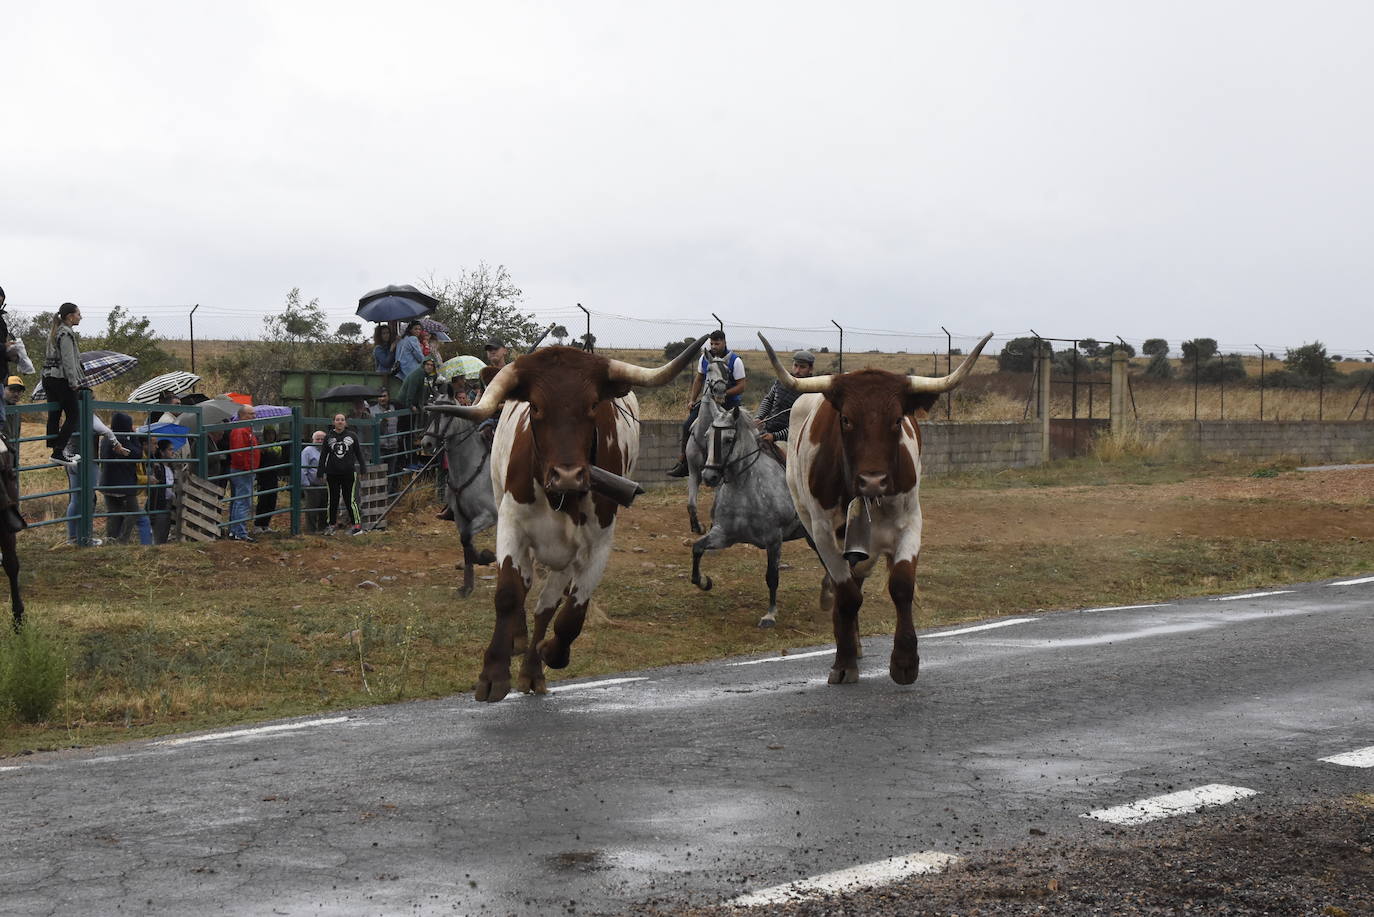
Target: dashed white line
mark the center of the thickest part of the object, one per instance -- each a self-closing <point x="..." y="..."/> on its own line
<point x="977" y="627"/>
<point x="1088" y="611"/>
<point x="1354" y="582"/>
<point x="3" y="769"/>
<point x="604" y="683"/>
<point x="868" y="875"/>
<point x="257" y="730"/>
<point x="785" y="658"/>
<point x="1180" y="803"/>
<point x="1253" y="595"/>
<point x="1360" y="757"/>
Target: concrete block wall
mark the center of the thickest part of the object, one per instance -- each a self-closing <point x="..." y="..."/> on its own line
<point x="1332" y="441"/>
<point x="992" y="446"/>
<point x="659" y="443"/>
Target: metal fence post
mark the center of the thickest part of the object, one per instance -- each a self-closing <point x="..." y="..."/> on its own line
<point x="85" y="479"/>
<point x="840" y="366"/>
<point x="297" y="431"/>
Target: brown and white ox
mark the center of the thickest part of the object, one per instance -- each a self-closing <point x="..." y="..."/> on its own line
<point x="563" y="410"/>
<point x="854" y="438"/>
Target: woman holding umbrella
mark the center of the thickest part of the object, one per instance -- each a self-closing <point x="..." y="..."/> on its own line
<point x="384" y="349"/>
<point x="62" y="379"/>
<point x="409" y="351"/>
<point x="341" y="460"/>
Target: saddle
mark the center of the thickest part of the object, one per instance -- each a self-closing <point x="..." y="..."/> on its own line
<point x="774" y="451"/>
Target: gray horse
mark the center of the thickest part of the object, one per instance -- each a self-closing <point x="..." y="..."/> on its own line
<point x="752" y="506"/>
<point x="712" y="396"/>
<point x="469" y="480"/>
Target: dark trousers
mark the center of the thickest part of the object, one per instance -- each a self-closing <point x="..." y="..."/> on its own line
<point x="343" y="487"/>
<point x="64" y="396"/>
<point x="687" y="424"/>
<point x="267" y="503"/>
<point x="312" y="519"/>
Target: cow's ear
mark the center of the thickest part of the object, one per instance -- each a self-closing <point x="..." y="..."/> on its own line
<point x="616" y="388"/>
<point x="832" y="395"/>
<point x="919" y="403"/>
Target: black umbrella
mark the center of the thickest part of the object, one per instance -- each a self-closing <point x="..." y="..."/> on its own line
<point x="396" y="303"/>
<point x="347" y="392"/>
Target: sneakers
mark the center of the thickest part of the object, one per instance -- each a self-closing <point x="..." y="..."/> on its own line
<point x="248" y="538"/>
<point x="357" y="530"/>
<point x="65" y="459"/>
<point x="330" y="530"/>
<point x="679" y="470"/>
<point x="414" y="466"/>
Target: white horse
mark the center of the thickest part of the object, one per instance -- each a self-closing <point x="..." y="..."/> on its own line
<point x="712" y="401"/>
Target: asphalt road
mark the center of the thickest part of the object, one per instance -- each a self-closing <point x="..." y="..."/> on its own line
<point x="702" y="783"/>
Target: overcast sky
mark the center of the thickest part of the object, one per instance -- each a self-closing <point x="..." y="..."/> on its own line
<point x="1096" y="168"/>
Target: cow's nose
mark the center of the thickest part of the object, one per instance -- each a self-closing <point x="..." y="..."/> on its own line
<point x="872" y="484"/>
<point x="569" y="479"/>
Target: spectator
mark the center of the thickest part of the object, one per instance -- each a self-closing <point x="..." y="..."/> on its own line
<point x="409" y="353"/>
<point x="734" y="379"/>
<point x="386" y="433"/>
<point x="9" y="352"/>
<point x="313" y="487"/>
<point x="161" y="490"/>
<point x="165" y="414"/>
<point x="496" y="353"/>
<point x="775" y="410"/>
<point x="119" y="483"/>
<point x="429" y="346"/>
<point x="342" y="463"/>
<point x="419" y="389"/>
<point x="74" y="481"/>
<point x="14" y="390"/>
<point x="268" y="480"/>
<point x="244" y="459"/>
<point x="63" y="378"/>
<point x="361" y="410"/>
<point x="384" y="349"/>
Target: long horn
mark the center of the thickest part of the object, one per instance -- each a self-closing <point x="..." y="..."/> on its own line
<point x="809" y="384"/>
<point x="652" y="378"/>
<point x="945" y="383"/>
<point x="501" y="385"/>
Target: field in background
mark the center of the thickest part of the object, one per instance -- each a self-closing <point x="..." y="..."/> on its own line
<point x="191" y="636"/>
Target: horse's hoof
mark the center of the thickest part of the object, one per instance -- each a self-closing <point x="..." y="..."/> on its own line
<point x="554" y="653"/>
<point x="464" y="591"/>
<point x="904" y="672"/>
<point x="844" y="676"/>
<point x="706" y="585"/>
<point x="697" y="529"/>
<point x="491" y="691"/>
<point x="768" y="621"/>
<point x="486" y="557"/>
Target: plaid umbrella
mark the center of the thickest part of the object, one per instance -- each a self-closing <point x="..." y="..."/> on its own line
<point x="433" y="327"/>
<point x="266" y="411"/>
<point x="99" y="366"/>
<point x="175" y="382"/>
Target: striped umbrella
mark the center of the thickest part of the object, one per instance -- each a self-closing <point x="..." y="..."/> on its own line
<point x="176" y="382"/>
<point x="99" y="366"/>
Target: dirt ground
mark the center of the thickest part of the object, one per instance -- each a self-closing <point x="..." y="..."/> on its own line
<point x="1315" y="860"/>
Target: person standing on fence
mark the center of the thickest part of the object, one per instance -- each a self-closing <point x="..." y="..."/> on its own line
<point x="419" y="388"/>
<point x="312" y="486"/>
<point x="734" y="379"/>
<point x="63" y="378"/>
<point x="244" y="460"/>
<point x="409" y="353"/>
<point x="74" y="509"/>
<point x="161" y="490"/>
<point x="342" y="464"/>
<point x="119" y="482"/>
<point x="268" y="480"/>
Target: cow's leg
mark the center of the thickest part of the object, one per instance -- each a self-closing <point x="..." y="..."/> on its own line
<point x="551" y="594"/>
<point x="849" y="596"/>
<point x="901" y="585"/>
<point x="556" y="648"/>
<point x="713" y="540"/>
<point x="512" y="583"/>
<point x="770" y="576"/>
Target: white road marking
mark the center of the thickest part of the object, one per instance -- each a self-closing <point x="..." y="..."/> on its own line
<point x="1360" y="757"/>
<point x="257" y="730"/>
<point x="3" y="769"/>
<point x="1354" y="582"/>
<point x="604" y="683"/>
<point x="1253" y="595"/>
<point x="1180" y="803"/>
<point x="977" y="627"/>
<point x="785" y="658"/>
<point x="857" y="877"/>
<point x="1088" y="611"/>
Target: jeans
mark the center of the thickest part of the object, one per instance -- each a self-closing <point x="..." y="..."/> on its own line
<point x="121" y="527"/>
<point x="241" y="489"/>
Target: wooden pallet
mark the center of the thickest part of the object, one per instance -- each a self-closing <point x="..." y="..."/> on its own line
<point x="199" y="512"/>
<point x="372" y="494"/>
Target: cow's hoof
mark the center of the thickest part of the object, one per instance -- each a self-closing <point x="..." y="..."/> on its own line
<point x="768" y="621"/>
<point x="844" y="676"/>
<point x="904" y="672"/>
<point x="554" y="653"/>
<point x="486" y="557"/>
<point x="528" y="685"/>
<point x="491" y="691"/>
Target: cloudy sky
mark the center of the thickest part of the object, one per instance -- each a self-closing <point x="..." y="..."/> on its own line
<point x="1161" y="169"/>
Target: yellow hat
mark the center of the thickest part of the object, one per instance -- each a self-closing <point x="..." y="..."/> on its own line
<point x="15" y="380"/>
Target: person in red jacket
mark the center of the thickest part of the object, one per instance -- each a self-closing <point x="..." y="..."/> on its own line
<point x="244" y="459"/>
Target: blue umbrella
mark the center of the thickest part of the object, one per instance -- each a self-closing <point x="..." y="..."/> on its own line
<point x="174" y="432"/>
<point x="396" y="303"/>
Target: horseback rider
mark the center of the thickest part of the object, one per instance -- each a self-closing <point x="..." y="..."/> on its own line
<point x="734" y="381"/>
<point x="775" y="410"/>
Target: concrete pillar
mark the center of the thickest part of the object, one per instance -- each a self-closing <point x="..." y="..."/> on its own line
<point x="1042" y="405"/>
<point x="1118" y="392"/>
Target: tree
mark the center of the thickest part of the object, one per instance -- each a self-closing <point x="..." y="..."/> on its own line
<point x="673" y="348"/>
<point x="559" y="333"/>
<point x="1199" y="350"/>
<point x="1311" y="361"/>
<point x="1110" y="348"/>
<point x="125" y="333"/>
<point x="349" y="330"/>
<point x="1155" y="346"/>
<point x="1159" y="366"/>
<point x="588" y="341"/>
<point x="1018" y="355"/>
<point x="483" y="303"/>
<point x="1090" y="347"/>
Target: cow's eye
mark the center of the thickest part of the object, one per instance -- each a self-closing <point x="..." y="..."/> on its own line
<point x="846" y="423"/>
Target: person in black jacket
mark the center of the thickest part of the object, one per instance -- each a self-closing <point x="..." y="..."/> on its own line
<point x="341" y="460"/>
<point x="119" y="484"/>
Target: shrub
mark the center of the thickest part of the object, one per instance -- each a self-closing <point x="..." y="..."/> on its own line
<point x="32" y="671"/>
